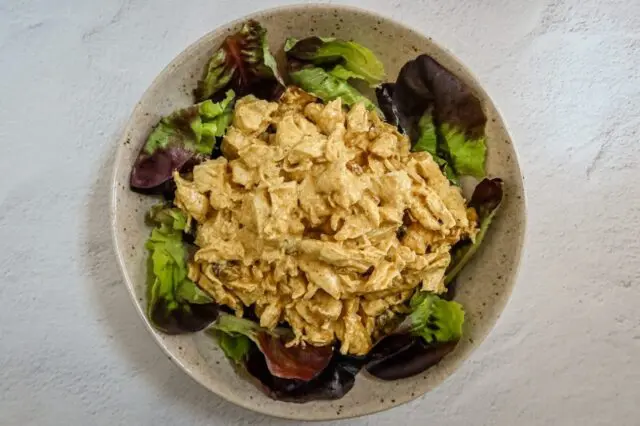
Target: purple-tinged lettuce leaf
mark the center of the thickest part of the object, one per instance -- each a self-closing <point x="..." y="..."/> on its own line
<point x="399" y="356"/>
<point x="426" y="89"/>
<point x="384" y="95"/>
<point x="454" y="102"/>
<point x="243" y="63"/>
<point x="151" y="172"/>
<point x="187" y="136"/>
<point x="486" y="200"/>
<point x="428" y="333"/>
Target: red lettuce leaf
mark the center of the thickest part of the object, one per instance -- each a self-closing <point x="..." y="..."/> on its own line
<point x="296" y="362"/>
<point x="333" y="382"/>
<point x="242" y="63"/>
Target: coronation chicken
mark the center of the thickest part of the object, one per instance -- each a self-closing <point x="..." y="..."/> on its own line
<point x="320" y="218"/>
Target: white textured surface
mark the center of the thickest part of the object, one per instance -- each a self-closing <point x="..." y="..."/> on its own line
<point x="564" y="73"/>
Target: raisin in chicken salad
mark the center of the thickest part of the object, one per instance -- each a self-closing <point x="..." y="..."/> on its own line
<point x="312" y="231"/>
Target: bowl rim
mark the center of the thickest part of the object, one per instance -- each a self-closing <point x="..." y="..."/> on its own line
<point x="113" y="221"/>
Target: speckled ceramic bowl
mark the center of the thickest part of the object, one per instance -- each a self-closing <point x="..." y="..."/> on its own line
<point x="485" y="284"/>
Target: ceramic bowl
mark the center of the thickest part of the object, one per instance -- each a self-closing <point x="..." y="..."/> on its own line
<point x="484" y="286"/>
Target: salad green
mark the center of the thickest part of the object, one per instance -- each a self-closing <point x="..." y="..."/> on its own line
<point x="328" y="87"/>
<point x="244" y="63"/>
<point x="441" y="116"/>
<point x="195" y="127"/>
<point x="346" y="59"/>
<point x="435" y="319"/>
<point x="181" y="137"/>
<point x="486" y="200"/>
<point x="171" y="294"/>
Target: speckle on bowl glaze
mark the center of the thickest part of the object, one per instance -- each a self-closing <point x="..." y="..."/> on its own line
<point x="484" y="286"/>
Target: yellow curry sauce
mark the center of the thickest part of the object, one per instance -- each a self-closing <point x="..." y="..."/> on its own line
<point x="320" y="218"/>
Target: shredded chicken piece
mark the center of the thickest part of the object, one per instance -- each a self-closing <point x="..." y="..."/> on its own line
<point x="301" y="217"/>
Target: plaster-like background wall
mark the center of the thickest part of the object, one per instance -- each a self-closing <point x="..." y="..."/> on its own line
<point x="565" y="75"/>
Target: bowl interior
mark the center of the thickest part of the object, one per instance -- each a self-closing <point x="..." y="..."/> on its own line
<point x="483" y="287"/>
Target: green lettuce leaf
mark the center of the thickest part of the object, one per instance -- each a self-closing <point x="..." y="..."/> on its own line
<point x="171" y="293"/>
<point x="486" y="200"/>
<point x="234" y="326"/>
<point x="327" y="87"/>
<point x="353" y="59"/>
<point x="236" y="347"/>
<point x="235" y="336"/>
<point x="467" y="154"/>
<point x="243" y="63"/>
<point x="434" y="319"/>
<point x="342" y="73"/>
<point x="427" y="136"/>
<point x="162" y="214"/>
<point x="189" y="292"/>
<point x="428" y="141"/>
